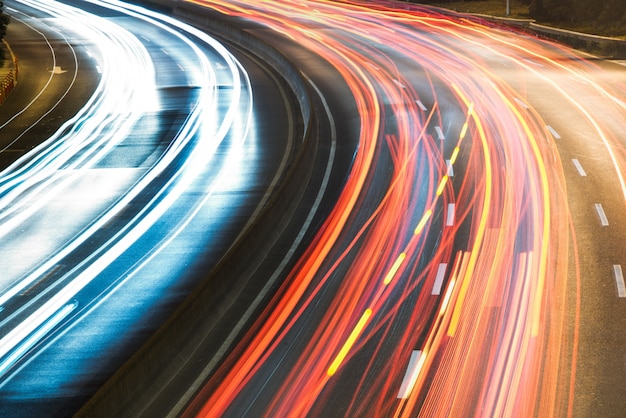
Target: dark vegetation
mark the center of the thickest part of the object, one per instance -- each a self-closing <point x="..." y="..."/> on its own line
<point x="600" y="11"/>
<point x="599" y="17"/>
<point x="4" y="22"/>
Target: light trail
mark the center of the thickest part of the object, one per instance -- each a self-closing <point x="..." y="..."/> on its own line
<point x="34" y="187"/>
<point x="488" y="343"/>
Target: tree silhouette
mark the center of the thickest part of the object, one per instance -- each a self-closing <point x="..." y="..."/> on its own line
<point x="4" y="22"/>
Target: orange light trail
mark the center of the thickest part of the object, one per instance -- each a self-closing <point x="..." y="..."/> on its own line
<point x="490" y="344"/>
<point x="349" y="342"/>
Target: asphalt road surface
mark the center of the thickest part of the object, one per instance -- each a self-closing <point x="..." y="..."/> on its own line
<point x="469" y="260"/>
<point x="472" y="264"/>
<point x="153" y="148"/>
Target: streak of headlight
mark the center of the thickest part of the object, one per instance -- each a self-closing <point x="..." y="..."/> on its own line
<point x="22" y="342"/>
<point x="14" y="14"/>
<point x="203" y="150"/>
<point x="100" y="125"/>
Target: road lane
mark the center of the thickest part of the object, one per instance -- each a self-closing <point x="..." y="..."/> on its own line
<point x="468" y="143"/>
<point x="510" y="310"/>
<point x="47" y="98"/>
<point x="131" y="202"/>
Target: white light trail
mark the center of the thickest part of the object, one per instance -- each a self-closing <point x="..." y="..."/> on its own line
<point x="126" y="92"/>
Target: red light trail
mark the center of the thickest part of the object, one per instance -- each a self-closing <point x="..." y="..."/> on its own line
<point x="493" y="336"/>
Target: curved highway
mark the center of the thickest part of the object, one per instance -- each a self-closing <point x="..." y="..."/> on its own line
<point x="468" y="263"/>
<point x="111" y="220"/>
<point x="54" y="89"/>
<point x="472" y="264"/>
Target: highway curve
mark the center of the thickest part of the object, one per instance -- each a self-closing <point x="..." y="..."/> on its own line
<point x="472" y="263"/>
<point x="469" y="260"/>
<point x="154" y="148"/>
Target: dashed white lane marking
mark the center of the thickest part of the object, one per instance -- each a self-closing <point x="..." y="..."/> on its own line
<point x="411" y="375"/>
<point x="603" y="219"/>
<point x="579" y="167"/>
<point x="619" y="280"/>
<point x="450" y="214"/>
<point x="554" y="133"/>
<point x="441" y="272"/>
<point x="440" y="133"/>
<point x="521" y="103"/>
<point x="421" y="105"/>
<point x="533" y="62"/>
<point x="399" y="84"/>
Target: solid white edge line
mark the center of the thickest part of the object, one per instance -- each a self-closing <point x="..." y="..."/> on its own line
<point x="410" y="376"/>
<point x="619" y="280"/>
<point x="441" y="272"/>
<point x="604" y="221"/>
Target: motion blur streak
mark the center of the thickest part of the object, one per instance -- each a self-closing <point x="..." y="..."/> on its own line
<point x="38" y="290"/>
<point x="497" y="342"/>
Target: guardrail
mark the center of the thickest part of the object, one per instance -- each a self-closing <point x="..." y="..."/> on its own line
<point x="9" y="79"/>
<point x="600" y="45"/>
<point x="137" y="381"/>
<point x="6" y="86"/>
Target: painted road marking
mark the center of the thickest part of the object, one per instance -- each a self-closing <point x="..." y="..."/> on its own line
<point x="440" y="133"/>
<point x="421" y="105"/>
<point x="619" y="279"/>
<point x="521" y="103"/>
<point x="579" y="167"/>
<point x="399" y="84"/>
<point x="450" y="214"/>
<point x="411" y="374"/>
<point x="603" y="219"/>
<point x="450" y="168"/>
<point x="533" y="62"/>
<point x="394" y="269"/>
<point x="554" y="133"/>
<point x="441" y="272"/>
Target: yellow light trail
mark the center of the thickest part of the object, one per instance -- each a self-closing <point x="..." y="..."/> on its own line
<point x="394" y="268"/>
<point x="349" y="342"/>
